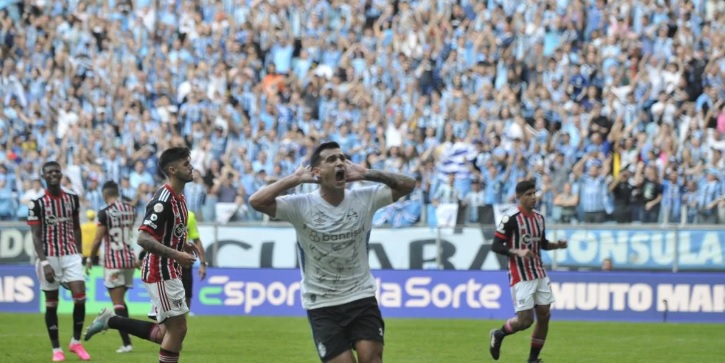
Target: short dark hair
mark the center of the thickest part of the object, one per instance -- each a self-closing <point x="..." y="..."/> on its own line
<point x="110" y="188"/>
<point x="524" y="186"/>
<point x="171" y="155"/>
<point x="50" y="163"/>
<point x="315" y="158"/>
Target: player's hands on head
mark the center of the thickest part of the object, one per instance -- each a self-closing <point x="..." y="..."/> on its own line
<point x="305" y="175"/>
<point x="48" y="273"/>
<point x="185" y="260"/>
<point x="354" y="172"/>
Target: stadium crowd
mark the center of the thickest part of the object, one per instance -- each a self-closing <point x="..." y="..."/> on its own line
<point x="615" y="107"/>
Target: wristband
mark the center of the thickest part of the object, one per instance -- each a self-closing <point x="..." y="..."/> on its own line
<point x="44" y="263"/>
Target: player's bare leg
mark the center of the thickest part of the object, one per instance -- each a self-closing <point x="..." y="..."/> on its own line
<point x="78" y="290"/>
<point x="538" y="337"/>
<point x="522" y="321"/>
<point x="345" y="357"/>
<point x="369" y="351"/>
<point x="172" y="340"/>
<point x="119" y="307"/>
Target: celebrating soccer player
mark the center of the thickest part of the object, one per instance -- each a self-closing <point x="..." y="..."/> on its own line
<point x="521" y="236"/>
<point x="114" y="227"/>
<point x="333" y="227"/>
<point x="163" y="235"/>
<point x="55" y="224"/>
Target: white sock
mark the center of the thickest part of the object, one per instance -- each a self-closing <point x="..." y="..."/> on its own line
<point x="74" y="341"/>
<point x="57" y="350"/>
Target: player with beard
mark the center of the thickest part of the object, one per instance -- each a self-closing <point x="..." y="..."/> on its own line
<point x="163" y="235"/>
<point x="521" y="236"/>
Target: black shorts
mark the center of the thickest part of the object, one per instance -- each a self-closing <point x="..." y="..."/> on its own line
<point x="336" y="329"/>
<point x="187" y="277"/>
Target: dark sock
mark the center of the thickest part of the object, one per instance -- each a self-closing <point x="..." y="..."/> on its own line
<point x="166" y="356"/>
<point x="536" y="346"/>
<point x="51" y="322"/>
<point x="137" y="328"/>
<point x="122" y="311"/>
<point x="505" y="330"/>
<point x="79" y="315"/>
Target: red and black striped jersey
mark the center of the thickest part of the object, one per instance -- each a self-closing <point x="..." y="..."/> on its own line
<point x="58" y="217"/>
<point x="165" y="219"/>
<point x="118" y="219"/>
<point x="520" y="230"/>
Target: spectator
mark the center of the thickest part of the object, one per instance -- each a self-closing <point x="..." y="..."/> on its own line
<point x="139" y="176"/>
<point x="623" y="192"/>
<point x="473" y="201"/>
<point x="592" y="190"/>
<point x="7" y="201"/>
<point x="234" y="81"/>
<point x="651" y="195"/>
<point x="672" y="198"/>
<point x="607" y="264"/>
<point x="566" y="202"/>
<point x="709" y="197"/>
<point x="447" y="193"/>
<point x="195" y="193"/>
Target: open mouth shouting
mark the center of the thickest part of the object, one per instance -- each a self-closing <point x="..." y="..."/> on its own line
<point x="340" y="176"/>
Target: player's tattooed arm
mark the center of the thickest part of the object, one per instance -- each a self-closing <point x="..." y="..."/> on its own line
<point x="400" y="184"/>
<point x="151" y="245"/>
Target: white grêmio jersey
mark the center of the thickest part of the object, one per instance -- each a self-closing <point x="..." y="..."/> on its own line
<point x="332" y="242"/>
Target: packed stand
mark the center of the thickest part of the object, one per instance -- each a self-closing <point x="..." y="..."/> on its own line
<point x="615" y="108"/>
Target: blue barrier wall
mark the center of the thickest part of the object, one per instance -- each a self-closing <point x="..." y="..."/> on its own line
<point x="592" y="296"/>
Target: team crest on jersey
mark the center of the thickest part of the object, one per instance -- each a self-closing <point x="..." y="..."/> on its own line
<point x="525" y="239"/>
<point x="179" y="230"/>
<point x="158" y="208"/>
<point x="51" y="220"/>
<point x="320" y="218"/>
<point x="351" y="216"/>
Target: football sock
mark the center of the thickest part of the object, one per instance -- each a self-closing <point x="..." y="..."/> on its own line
<point x="51" y="322"/>
<point x="79" y="315"/>
<point x="536" y="346"/>
<point x="139" y="328"/>
<point x="166" y="356"/>
<point x="122" y="311"/>
<point x="506" y="329"/>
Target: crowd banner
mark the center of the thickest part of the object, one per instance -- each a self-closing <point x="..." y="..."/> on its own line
<point x="459" y="248"/>
<point x="582" y="296"/>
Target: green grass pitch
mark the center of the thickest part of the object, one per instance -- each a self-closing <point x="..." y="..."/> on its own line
<point x="23" y="338"/>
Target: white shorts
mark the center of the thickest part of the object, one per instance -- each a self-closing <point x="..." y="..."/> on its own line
<point x="66" y="268"/>
<point x="118" y="277"/>
<point x="168" y="297"/>
<point x="527" y="294"/>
